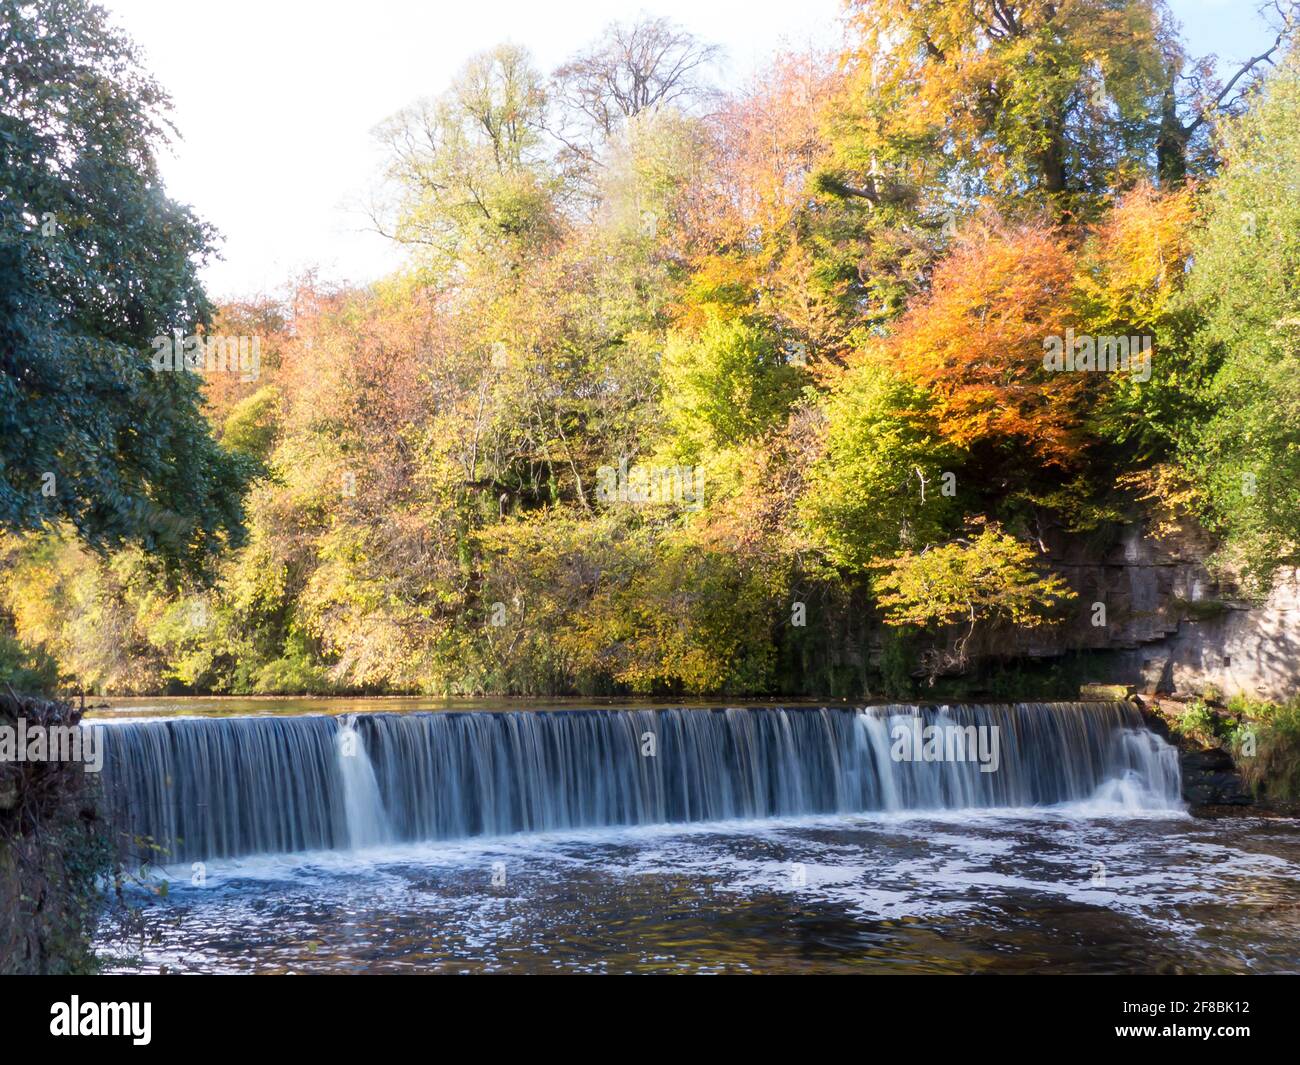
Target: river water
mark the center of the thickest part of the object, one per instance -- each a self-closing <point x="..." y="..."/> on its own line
<point x="325" y="837"/>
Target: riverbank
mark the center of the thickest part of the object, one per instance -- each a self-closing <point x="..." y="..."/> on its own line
<point x="53" y="851"/>
<point x="1236" y="756"/>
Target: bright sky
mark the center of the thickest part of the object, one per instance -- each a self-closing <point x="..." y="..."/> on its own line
<point x="275" y="100"/>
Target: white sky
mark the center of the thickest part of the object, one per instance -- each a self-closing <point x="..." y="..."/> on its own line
<point x="275" y="99"/>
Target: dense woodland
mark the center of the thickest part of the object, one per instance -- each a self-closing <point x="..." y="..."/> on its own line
<point x="684" y="390"/>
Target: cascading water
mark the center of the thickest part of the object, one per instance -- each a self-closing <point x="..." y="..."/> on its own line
<point x="209" y="788"/>
<point x="363" y="806"/>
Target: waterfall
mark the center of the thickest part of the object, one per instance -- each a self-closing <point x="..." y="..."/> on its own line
<point x="367" y="820"/>
<point x="223" y="787"/>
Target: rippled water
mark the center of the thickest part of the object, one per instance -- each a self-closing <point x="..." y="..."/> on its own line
<point x="1085" y="888"/>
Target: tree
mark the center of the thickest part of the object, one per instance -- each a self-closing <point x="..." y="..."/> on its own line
<point x="631" y="68"/>
<point x="1245" y="454"/>
<point x="989" y="577"/>
<point x="95" y="262"/>
<point x="1194" y="101"/>
<point x="724" y="385"/>
<point x="879" y="484"/>
<point x="469" y="168"/>
<point x="1129" y="283"/>
<point x="759" y="203"/>
<point x="1040" y="100"/>
<point x="976" y="342"/>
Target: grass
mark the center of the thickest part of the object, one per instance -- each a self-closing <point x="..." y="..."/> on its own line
<point x="1266" y="746"/>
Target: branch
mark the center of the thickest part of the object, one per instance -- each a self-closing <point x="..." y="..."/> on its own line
<point x="1246" y="68"/>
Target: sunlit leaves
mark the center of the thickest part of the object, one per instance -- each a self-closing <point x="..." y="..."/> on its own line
<point x="878" y="487"/>
<point x="1245" y="453"/>
<point x="723" y="385"/>
<point x="991" y="575"/>
<point x="1036" y="101"/>
<point x="976" y="342"/>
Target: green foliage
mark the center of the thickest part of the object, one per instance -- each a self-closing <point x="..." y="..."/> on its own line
<point x="24" y="669"/>
<point x="296" y="673"/>
<point x="252" y="423"/>
<point x="897" y="656"/>
<point x="724" y="385"/>
<point x="1266" y="745"/>
<point x="1201" y="722"/>
<point x="1245" y="454"/>
<point x="992" y="575"/>
<point x="468" y="167"/>
<point x="95" y="261"/>
<point x="878" y="486"/>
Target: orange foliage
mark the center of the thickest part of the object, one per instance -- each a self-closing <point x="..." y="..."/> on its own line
<point x="995" y="85"/>
<point x="976" y="342"/>
<point x="771" y="138"/>
<point x="749" y="251"/>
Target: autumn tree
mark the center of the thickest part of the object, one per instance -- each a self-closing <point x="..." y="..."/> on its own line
<point x="1129" y="282"/>
<point x="976" y="342"/>
<point x="632" y="68"/>
<point x="760" y="231"/>
<point x="1044" y="101"/>
<point x="987" y="578"/>
<point x="469" y="170"/>
<point x="836" y="290"/>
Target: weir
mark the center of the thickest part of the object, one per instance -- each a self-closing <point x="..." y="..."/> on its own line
<point x="203" y="788"/>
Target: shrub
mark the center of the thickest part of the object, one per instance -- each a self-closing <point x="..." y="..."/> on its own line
<point x="1201" y="723"/>
<point x="1267" y="748"/>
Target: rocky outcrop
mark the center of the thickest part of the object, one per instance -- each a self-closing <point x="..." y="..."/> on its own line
<point x="1161" y="622"/>
<point x="1210" y="778"/>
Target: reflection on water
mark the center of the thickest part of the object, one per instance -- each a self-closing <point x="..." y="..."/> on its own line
<point x="132" y="707"/>
<point x="1027" y="891"/>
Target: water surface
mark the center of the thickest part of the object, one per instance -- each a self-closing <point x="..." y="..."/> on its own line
<point x="1034" y="891"/>
<point x="773" y="841"/>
